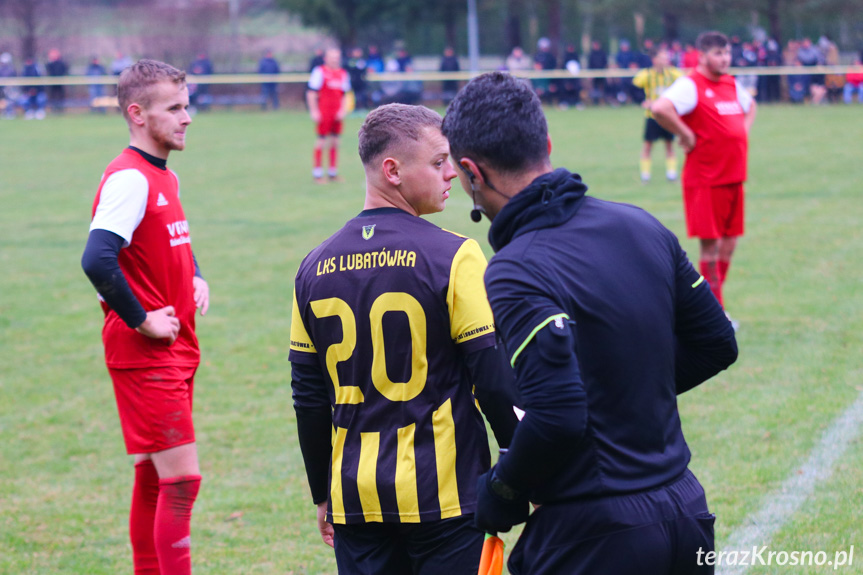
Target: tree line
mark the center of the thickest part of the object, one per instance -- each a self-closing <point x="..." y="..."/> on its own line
<point x="426" y="27"/>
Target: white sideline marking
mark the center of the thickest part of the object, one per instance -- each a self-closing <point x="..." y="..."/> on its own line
<point x="759" y="528"/>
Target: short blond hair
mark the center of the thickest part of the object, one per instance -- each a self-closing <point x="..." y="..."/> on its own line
<point x="391" y="126"/>
<point x="136" y="82"/>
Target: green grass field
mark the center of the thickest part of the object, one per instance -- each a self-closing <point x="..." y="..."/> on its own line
<point x="65" y="481"/>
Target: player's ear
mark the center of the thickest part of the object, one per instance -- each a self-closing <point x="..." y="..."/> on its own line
<point x="390" y="168"/>
<point x="136" y="113"/>
<point x="549" y="143"/>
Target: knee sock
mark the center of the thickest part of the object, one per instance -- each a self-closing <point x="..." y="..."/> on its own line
<point x="644" y="166"/>
<point x="318" y="157"/>
<point x="723" y="266"/>
<point x="142" y="518"/>
<point x="710" y="271"/>
<point x="670" y="165"/>
<point x="173" y="516"/>
<point x="334" y="161"/>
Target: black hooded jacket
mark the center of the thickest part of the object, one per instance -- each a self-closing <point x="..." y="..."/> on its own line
<point x="605" y="322"/>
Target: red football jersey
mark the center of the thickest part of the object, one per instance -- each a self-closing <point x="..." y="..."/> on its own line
<point x="159" y="268"/>
<point x="331" y="85"/>
<point x="719" y="156"/>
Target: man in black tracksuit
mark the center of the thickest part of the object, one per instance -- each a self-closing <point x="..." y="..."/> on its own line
<point x="605" y="322"/>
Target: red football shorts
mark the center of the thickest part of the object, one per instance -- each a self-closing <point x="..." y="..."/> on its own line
<point x="155" y="406"/>
<point x="713" y="212"/>
<point x="329" y="126"/>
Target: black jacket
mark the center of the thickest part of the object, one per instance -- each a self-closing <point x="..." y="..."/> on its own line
<point x="606" y="322"/>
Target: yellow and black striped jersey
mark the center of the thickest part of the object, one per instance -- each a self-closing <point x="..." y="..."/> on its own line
<point x="655" y="82"/>
<point x="386" y="308"/>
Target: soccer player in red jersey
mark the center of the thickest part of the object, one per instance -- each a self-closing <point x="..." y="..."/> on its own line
<point x="139" y="258"/>
<point x="327" y="106"/>
<point x="712" y="115"/>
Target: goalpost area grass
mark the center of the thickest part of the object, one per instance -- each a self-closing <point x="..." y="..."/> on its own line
<point x="65" y="481"/>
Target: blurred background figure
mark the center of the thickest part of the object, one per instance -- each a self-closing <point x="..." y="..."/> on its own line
<point x="390" y="91"/>
<point x="317" y="59"/>
<point x="690" y="57"/>
<point x="625" y="59"/>
<point x="597" y="59"/>
<point x="798" y="85"/>
<point x="96" y="91"/>
<point x="412" y="90"/>
<point x="121" y="62"/>
<point x="544" y="60"/>
<point x="809" y="56"/>
<point x="199" y="94"/>
<point x="56" y="67"/>
<point x="328" y="88"/>
<point x="518" y="61"/>
<point x="570" y="88"/>
<point x="675" y="54"/>
<point x="769" y="86"/>
<point x="854" y="83"/>
<point x="375" y="61"/>
<point x="35" y="95"/>
<point x="833" y="83"/>
<point x="449" y="63"/>
<point x="8" y="94"/>
<point x="357" y="70"/>
<point x="269" y="90"/>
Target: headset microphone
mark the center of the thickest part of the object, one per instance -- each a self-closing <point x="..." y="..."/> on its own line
<point x="475" y="213"/>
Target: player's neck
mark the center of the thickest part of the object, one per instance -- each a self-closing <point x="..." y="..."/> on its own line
<point x="704" y="71"/>
<point x="149" y="146"/>
<point x="377" y="198"/>
<point x="509" y="185"/>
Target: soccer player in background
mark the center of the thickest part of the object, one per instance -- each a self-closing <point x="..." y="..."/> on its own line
<point x="326" y="97"/>
<point x="712" y="115"/>
<point x="139" y="258"/>
<point x="605" y="322"/>
<point x="392" y="339"/>
<point x="654" y="81"/>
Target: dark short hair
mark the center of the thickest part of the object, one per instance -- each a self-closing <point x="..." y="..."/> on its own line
<point x="391" y="126"/>
<point x="498" y="119"/>
<point x="136" y="82"/>
<point x="709" y="40"/>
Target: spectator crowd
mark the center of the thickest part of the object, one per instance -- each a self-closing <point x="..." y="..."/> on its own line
<point x="32" y="102"/>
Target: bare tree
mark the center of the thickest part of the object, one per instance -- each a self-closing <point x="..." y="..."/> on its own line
<point x="513" y="24"/>
<point x="31" y="18"/>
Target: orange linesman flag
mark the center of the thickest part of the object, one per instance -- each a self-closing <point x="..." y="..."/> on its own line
<point x="491" y="560"/>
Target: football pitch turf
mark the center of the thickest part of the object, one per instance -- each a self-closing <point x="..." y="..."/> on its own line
<point x="65" y="481"/>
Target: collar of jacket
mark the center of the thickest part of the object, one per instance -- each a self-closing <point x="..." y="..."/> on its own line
<point x="549" y="200"/>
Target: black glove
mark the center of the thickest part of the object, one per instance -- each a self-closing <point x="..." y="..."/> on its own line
<point x="498" y="506"/>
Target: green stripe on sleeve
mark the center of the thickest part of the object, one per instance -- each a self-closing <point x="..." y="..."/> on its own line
<point x="533" y="333"/>
<point x="698" y="283"/>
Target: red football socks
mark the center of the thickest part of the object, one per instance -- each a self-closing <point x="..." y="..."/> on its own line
<point x="142" y="518"/>
<point x="710" y="270"/>
<point x="334" y="157"/>
<point x="319" y="154"/>
<point x="723" y="270"/>
<point x="173" y="516"/>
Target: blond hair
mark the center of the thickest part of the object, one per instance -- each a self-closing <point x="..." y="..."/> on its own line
<point x="391" y="126"/>
<point x="136" y="82"/>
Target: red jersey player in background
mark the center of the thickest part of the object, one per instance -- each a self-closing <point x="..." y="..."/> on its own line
<point x="328" y="86"/>
<point x="712" y="115"/>
<point x="139" y="258"/>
